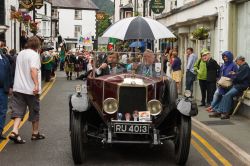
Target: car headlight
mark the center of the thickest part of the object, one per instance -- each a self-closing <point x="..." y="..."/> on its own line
<point x="78" y="88"/>
<point x="187" y="93"/>
<point x="110" y="105"/>
<point x="155" y="107"/>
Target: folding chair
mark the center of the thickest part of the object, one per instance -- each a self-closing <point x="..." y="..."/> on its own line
<point x="240" y="101"/>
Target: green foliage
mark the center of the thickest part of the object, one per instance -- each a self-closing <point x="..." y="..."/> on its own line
<point x="103" y="25"/>
<point x="200" y="33"/>
<point x="137" y="14"/>
<point x="105" y="5"/>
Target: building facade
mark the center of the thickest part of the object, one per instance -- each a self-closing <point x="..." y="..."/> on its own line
<point x="12" y="35"/>
<point x="131" y="8"/>
<point x="227" y="21"/>
<point x="43" y="16"/>
<point x="73" y="19"/>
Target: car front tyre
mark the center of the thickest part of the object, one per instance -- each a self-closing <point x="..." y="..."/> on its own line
<point x="78" y="137"/>
<point x="182" y="141"/>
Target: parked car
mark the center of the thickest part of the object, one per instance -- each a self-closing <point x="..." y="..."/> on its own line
<point x="130" y="108"/>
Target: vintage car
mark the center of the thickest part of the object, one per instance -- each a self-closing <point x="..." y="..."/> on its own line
<point x="129" y="108"/>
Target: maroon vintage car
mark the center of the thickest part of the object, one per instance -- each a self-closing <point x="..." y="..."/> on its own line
<point x="129" y="108"/>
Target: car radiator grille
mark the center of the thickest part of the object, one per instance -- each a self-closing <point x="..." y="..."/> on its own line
<point x="131" y="99"/>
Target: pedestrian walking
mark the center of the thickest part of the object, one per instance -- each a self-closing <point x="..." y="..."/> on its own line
<point x="62" y="58"/>
<point x="190" y="74"/>
<point x="69" y="65"/>
<point x="26" y="90"/>
<point x="47" y="61"/>
<point x="6" y="83"/>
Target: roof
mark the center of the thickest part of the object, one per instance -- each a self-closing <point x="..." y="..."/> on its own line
<point x="128" y="6"/>
<point x="75" y="4"/>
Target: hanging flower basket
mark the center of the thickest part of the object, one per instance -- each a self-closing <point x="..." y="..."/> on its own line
<point x="26" y="19"/>
<point x="16" y="15"/>
<point x="33" y="27"/>
<point x="200" y="33"/>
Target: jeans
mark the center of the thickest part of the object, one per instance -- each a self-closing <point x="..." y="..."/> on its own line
<point x="227" y="100"/>
<point x="216" y="98"/>
<point x="3" y="108"/>
<point x="190" y="78"/>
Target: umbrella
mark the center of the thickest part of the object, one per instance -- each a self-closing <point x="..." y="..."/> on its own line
<point x="137" y="44"/>
<point x="138" y="28"/>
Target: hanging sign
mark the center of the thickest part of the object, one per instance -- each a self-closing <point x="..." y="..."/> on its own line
<point x="157" y="6"/>
<point x="38" y="4"/>
<point x="100" y="16"/>
<point x="26" y="4"/>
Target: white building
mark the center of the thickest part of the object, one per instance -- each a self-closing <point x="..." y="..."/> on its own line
<point x="12" y="35"/>
<point x="131" y="8"/>
<point x="227" y="20"/>
<point x="43" y="16"/>
<point x="75" y="18"/>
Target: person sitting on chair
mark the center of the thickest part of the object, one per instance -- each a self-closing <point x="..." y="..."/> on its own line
<point x="240" y="83"/>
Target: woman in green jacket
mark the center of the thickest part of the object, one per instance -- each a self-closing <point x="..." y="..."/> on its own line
<point x="200" y="67"/>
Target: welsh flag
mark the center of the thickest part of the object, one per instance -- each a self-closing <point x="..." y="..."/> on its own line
<point x="112" y="42"/>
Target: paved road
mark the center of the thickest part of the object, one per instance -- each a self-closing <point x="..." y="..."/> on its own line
<point x="55" y="149"/>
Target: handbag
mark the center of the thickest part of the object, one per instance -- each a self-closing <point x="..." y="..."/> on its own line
<point x="225" y="82"/>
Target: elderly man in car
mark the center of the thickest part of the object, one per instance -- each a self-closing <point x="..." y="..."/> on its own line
<point x="112" y="66"/>
<point x="148" y="67"/>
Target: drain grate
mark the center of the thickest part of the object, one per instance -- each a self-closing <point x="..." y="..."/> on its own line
<point x="217" y="122"/>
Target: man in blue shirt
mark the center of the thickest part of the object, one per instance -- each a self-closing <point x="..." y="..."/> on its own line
<point x="6" y="83"/>
<point x="190" y="74"/>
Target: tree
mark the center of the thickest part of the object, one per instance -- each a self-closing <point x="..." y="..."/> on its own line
<point x="103" y="25"/>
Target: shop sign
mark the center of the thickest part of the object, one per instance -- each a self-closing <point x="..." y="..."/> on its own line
<point x="38" y="4"/>
<point x="26" y="4"/>
<point x="100" y="16"/>
<point x="157" y="6"/>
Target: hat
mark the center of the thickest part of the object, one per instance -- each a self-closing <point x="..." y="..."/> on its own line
<point x="204" y="51"/>
<point x="240" y="58"/>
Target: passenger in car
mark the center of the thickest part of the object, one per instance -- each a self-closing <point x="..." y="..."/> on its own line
<point x="148" y="67"/>
<point x="112" y="66"/>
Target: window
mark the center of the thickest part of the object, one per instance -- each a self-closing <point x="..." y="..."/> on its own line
<point x="54" y="13"/>
<point x="78" y="14"/>
<point x="45" y="9"/>
<point x="128" y="14"/>
<point x="78" y="30"/>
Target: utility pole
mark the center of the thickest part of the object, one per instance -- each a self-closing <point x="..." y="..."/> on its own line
<point x="144" y="8"/>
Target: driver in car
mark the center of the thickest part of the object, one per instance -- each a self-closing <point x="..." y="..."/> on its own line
<point x="112" y="66"/>
<point x="148" y="68"/>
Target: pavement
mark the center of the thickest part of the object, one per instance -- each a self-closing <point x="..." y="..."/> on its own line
<point x="233" y="133"/>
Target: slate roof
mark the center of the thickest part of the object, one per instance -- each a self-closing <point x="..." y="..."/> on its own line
<point x="128" y="6"/>
<point x="75" y="4"/>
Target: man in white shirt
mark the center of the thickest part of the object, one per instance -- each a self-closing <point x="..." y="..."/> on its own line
<point x="26" y="90"/>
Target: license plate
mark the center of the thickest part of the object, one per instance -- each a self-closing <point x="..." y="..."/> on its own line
<point x="131" y="128"/>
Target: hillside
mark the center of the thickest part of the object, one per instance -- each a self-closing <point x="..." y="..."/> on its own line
<point x="105" y="5"/>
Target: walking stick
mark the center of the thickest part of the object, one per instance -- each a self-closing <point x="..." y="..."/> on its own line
<point x="240" y="101"/>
